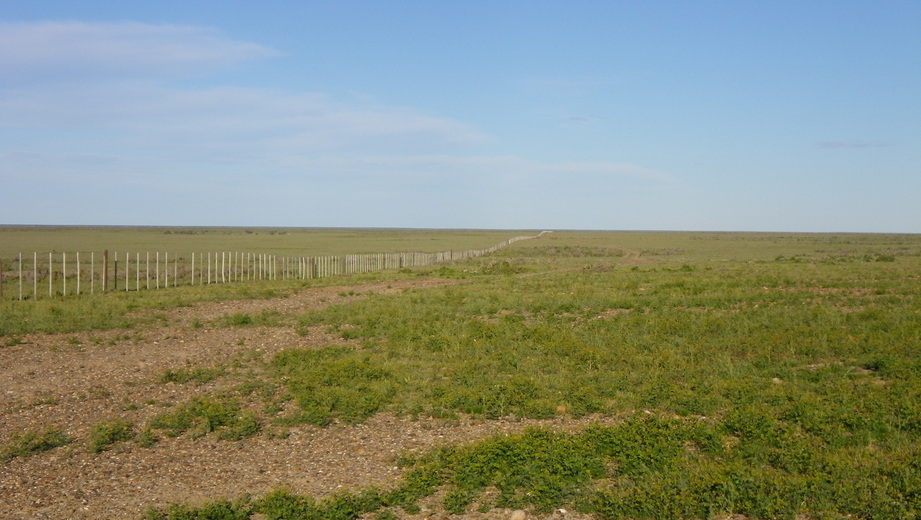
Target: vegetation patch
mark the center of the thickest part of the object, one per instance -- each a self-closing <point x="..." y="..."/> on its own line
<point x="501" y="267"/>
<point x="203" y="415"/>
<point x="11" y="341"/>
<point x="568" y="251"/>
<point x="198" y="376"/>
<point x="266" y="318"/>
<point x="756" y="375"/>
<point x="105" y="434"/>
<point x="647" y="467"/>
<point x="333" y="383"/>
<point x="26" y="444"/>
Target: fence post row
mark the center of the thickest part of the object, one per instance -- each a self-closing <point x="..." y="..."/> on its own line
<point x="226" y="266"/>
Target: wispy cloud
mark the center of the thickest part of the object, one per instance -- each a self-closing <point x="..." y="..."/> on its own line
<point x="45" y="52"/>
<point x="224" y="120"/>
<point x="853" y="144"/>
<point x="90" y="107"/>
<point x="108" y="87"/>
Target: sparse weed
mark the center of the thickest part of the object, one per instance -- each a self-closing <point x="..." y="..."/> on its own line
<point x="267" y="318"/>
<point x="647" y="467"/>
<point x="203" y="415"/>
<point x="333" y="383"/>
<point x="501" y="267"/>
<point x="199" y="376"/>
<point x="30" y="443"/>
<point x="105" y="434"/>
<point x="146" y="438"/>
<point x="217" y="510"/>
<point x="12" y="341"/>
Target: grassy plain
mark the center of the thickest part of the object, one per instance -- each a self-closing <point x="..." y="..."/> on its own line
<point x="764" y="375"/>
<point x="271" y="241"/>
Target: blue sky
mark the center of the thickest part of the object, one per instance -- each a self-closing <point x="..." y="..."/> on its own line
<point x="633" y="115"/>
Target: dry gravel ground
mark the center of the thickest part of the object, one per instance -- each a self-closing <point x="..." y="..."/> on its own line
<point x="73" y="381"/>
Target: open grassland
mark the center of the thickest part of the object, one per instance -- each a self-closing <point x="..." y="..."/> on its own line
<point x="660" y="375"/>
<point x="273" y="241"/>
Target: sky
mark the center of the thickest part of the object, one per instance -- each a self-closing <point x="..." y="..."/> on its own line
<point x="790" y="116"/>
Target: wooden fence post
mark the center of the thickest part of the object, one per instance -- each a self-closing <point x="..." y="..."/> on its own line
<point x="105" y="270"/>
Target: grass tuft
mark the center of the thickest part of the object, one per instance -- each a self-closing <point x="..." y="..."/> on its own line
<point x="203" y="415"/>
<point x="105" y="434"/>
<point x="26" y="444"/>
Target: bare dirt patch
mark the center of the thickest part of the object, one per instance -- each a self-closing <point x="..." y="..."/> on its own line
<point x="74" y="381"/>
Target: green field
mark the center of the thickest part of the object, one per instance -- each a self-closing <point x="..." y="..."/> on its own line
<point x="49" y="265"/>
<point x="758" y="374"/>
<point x="273" y="241"/>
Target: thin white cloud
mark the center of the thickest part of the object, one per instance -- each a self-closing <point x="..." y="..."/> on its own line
<point x="45" y="52"/>
<point x="119" y="124"/>
<point x="106" y="86"/>
<point x="224" y="120"/>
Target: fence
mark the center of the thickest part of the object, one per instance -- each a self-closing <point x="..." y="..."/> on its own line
<point x="61" y="274"/>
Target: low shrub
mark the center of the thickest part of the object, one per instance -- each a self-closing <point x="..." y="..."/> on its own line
<point x="27" y="444"/>
<point x="105" y="434"/>
<point x="333" y="383"/>
<point x="204" y="415"/>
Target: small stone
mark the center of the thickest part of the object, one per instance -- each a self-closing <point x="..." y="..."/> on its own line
<point x="518" y="514"/>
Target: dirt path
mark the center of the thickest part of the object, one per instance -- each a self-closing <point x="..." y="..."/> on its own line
<point x="632" y="256"/>
<point x="73" y="381"/>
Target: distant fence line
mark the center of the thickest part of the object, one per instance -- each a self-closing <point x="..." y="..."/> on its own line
<point x="42" y="275"/>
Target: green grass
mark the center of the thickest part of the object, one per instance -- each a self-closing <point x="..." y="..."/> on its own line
<point x="662" y="339"/>
<point x="808" y="370"/>
<point x="274" y="241"/>
<point x="333" y="383"/>
<point x="107" y="433"/>
<point x="268" y="318"/>
<point x="750" y="384"/>
<point x="135" y="251"/>
<point x="765" y="375"/>
<point x="26" y="444"/>
<point x="203" y="415"/>
<point x="647" y="467"/>
<point x="124" y="310"/>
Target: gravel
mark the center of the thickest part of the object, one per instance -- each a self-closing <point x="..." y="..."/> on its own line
<point x="74" y="381"/>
